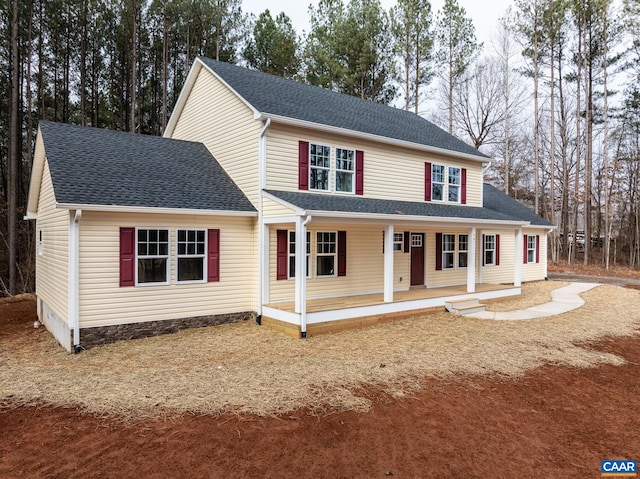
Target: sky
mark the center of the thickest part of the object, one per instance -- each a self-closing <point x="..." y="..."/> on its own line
<point x="484" y="14"/>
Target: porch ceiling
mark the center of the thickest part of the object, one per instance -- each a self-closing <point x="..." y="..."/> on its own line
<point x="343" y="302"/>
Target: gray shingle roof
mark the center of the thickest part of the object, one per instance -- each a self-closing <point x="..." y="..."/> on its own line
<point x="496" y="200"/>
<point x="92" y="166"/>
<point x="279" y="96"/>
<point x="359" y="204"/>
<point x="497" y="206"/>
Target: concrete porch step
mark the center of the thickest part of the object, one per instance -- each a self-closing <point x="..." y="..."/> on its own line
<point x="464" y="306"/>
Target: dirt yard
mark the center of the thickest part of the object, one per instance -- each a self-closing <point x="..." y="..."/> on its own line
<point x="534" y="406"/>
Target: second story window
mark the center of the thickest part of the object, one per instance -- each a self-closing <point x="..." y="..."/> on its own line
<point x="437" y="182"/>
<point x="445" y="183"/>
<point x="454" y="184"/>
<point x="345" y="169"/>
<point x="319" y="167"/>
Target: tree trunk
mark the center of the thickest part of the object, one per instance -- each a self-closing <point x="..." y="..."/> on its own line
<point x="134" y="65"/>
<point x="14" y="152"/>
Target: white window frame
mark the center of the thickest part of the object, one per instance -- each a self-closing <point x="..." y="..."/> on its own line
<point x="451" y="252"/>
<point x="320" y="168"/>
<point x="203" y="256"/>
<point x="342" y="170"/>
<point x="531" y="249"/>
<point x="167" y="256"/>
<point x="40" y="243"/>
<point x="455" y="181"/>
<point x="492" y="250"/>
<point x="442" y="183"/>
<point x="464" y="251"/>
<point x="323" y="254"/>
<point x="398" y="242"/>
<point x="292" y="254"/>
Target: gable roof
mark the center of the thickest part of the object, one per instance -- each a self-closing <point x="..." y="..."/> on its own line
<point x="496" y="200"/>
<point x="92" y="166"/>
<point x="498" y="207"/>
<point x="270" y="95"/>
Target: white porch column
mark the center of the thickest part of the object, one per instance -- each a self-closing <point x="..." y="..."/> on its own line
<point x="388" y="264"/>
<point x="471" y="262"/>
<point x="517" y="261"/>
<point x="301" y="265"/>
<point x="264" y="258"/>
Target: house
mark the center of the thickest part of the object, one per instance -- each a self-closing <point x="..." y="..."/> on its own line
<point x="257" y="179"/>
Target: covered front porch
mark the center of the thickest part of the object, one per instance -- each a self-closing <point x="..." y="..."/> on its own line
<point x="335" y="314"/>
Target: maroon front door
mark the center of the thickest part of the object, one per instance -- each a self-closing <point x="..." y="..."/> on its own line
<point x="417" y="259"/>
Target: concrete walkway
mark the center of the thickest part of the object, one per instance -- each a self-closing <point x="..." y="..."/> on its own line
<point x="562" y="300"/>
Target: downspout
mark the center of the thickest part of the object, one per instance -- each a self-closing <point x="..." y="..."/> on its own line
<point x="74" y="280"/>
<point x="303" y="292"/>
<point x="262" y="183"/>
<point x="485" y="168"/>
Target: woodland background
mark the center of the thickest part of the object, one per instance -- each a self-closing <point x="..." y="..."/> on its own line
<point x="553" y="98"/>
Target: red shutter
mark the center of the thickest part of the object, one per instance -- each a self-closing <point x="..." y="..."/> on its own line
<point x="427" y="181"/>
<point x="463" y="186"/>
<point x="525" y="252"/>
<point x="483" y="250"/>
<point x="497" y="250"/>
<point x="282" y="254"/>
<point x="359" y="172"/>
<point x="438" y="251"/>
<point x="537" y="248"/>
<point x="303" y="165"/>
<point x="213" y="255"/>
<point x="127" y="256"/>
<point x="342" y="253"/>
<point x="407" y="241"/>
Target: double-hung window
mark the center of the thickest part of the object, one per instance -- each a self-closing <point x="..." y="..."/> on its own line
<point x="319" y="167"/>
<point x="153" y="256"/>
<point x="191" y="255"/>
<point x="448" y="251"/>
<point x="437" y="182"/>
<point x="454" y="184"/>
<point x="531" y="249"/>
<point x="463" y="250"/>
<point x="398" y="241"/>
<point x="292" y="253"/>
<point x="490" y="249"/>
<point x="326" y="251"/>
<point x="345" y="169"/>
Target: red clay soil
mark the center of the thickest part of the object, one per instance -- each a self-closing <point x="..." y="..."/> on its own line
<point x="556" y="422"/>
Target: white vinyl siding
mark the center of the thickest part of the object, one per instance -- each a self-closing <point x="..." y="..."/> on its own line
<point x="216" y="117"/>
<point x="390" y="172"/>
<point x="533" y="271"/>
<point x="273" y="209"/>
<point x="52" y="267"/>
<point x="103" y="302"/>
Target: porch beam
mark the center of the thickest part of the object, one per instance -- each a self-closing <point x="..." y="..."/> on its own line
<point x="517" y="261"/>
<point x="471" y="261"/>
<point x="388" y="264"/>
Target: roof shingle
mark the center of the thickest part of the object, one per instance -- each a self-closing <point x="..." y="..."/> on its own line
<point x="93" y="166"/>
<point x="291" y="99"/>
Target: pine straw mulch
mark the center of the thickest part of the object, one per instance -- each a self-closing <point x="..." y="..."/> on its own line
<point x="246" y="369"/>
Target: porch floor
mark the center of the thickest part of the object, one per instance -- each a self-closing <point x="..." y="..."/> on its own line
<point x="330" y="304"/>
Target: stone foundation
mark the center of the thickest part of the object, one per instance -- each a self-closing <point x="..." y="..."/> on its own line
<point x="91" y="337"/>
